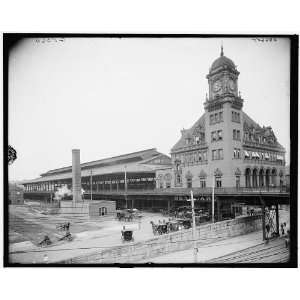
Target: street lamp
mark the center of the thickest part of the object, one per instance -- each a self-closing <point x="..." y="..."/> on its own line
<point x="194" y="227"/>
<point x="213" y="200"/>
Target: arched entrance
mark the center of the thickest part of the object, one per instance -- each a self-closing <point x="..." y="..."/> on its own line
<point x="261" y="177"/>
<point x="274" y="174"/>
<point x="254" y="178"/>
<point x="268" y="177"/>
<point x="248" y="177"/>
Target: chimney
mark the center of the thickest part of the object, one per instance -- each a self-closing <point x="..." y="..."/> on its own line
<point x="76" y="176"/>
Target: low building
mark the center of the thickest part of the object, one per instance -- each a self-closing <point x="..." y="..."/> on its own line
<point x="95" y="208"/>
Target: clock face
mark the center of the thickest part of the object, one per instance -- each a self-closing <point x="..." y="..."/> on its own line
<point x="231" y="85"/>
<point x="217" y="86"/>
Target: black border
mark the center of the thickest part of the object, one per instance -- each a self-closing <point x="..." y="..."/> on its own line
<point x="10" y="39"/>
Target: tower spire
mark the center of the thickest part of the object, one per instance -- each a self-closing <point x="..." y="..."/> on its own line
<point x="222" y="52"/>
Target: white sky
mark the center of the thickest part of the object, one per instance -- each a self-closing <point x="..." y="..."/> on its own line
<point x="109" y="96"/>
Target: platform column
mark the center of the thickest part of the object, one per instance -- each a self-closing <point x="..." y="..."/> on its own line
<point x="277" y="219"/>
<point x="263" y="222"/>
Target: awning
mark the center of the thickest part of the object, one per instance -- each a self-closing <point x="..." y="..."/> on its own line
<point x="279" y="157"/>
<point x="246" y="153"/>
<point x="255" y="155"/>
<point x="267" y="155"/>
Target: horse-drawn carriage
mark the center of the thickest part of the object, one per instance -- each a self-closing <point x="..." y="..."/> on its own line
<point x="128" y="214"/>
<point x="45" y="242"/>
<point x="127" y="235"/>
<point x="64" y="226"/>
<point x="170" y="226"/>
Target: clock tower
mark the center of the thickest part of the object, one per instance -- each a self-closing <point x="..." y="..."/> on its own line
<point x="223" y="116"/>
<point x="223" y="83"/>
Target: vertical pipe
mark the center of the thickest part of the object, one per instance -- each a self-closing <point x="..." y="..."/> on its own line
<point x="76" y="175"/>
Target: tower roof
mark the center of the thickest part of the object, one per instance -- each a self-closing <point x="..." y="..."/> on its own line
<point x="222" y="61"/>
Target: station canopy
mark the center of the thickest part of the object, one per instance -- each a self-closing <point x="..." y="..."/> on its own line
<point x="146" y="161"/>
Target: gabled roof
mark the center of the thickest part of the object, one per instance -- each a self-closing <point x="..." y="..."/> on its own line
<point x="188" y="133"/>
<point x="160" y="159"/>
<point x="262" y="130"/>
<point x="120" y="159"/>
<point x="136" y="162"/>
<point x="250" y="121"/>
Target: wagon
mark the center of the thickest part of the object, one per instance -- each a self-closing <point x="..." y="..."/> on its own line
<point x="184" y="223"/>
<point x="127" y="235"/>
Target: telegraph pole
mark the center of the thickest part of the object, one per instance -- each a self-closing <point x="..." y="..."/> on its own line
<point x="91" y="185"/>
<point x="194" y="227"/>
<point x="213" y="201"/>
<point x="125" y="185"/>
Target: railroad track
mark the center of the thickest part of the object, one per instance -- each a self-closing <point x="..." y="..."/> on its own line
<point x="272" y="252"/>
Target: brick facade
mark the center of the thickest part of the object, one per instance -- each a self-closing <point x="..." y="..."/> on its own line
<point x="225" y="147"/>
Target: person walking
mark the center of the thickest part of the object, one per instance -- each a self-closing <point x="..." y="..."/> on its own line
<point x="267" y="231"/>
<point x="282" y="229"/>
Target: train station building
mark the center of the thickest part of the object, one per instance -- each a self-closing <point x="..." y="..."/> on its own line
<point x="225" y="151"/>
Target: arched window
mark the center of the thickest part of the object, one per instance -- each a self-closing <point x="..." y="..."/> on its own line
<point x="248" y="177"/>
<point x="254" y="178"/>
<point x="237" y="174"/>
<point x="274" y="175"/>
<point x="268" y="177"/>
<point x="261" y="177"/>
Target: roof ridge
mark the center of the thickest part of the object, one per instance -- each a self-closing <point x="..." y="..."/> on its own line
<point x="103" y="159"/>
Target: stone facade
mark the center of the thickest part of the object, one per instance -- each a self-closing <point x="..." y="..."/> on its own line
<point x="225" y="147"/>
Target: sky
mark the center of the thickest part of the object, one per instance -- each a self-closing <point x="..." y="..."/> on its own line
<point x="112" y="96"/>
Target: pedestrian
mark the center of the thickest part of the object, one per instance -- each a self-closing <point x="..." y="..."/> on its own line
<point x="267" y="231"/>
<point x="282" y="229"/>
<point x="287" y="239"/>
<point x="284" y="226"/>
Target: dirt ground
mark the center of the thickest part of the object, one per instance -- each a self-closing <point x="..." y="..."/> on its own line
<point x="28" y="224"/>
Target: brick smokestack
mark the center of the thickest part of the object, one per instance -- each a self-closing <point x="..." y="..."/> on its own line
<point x="76" y="176"/>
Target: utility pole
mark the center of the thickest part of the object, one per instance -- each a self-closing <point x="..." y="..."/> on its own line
<point x="91" y="185"/>
<point x="125" y="185"/>
<point x="213" y="201"/>
<point x="194" y="227"/>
